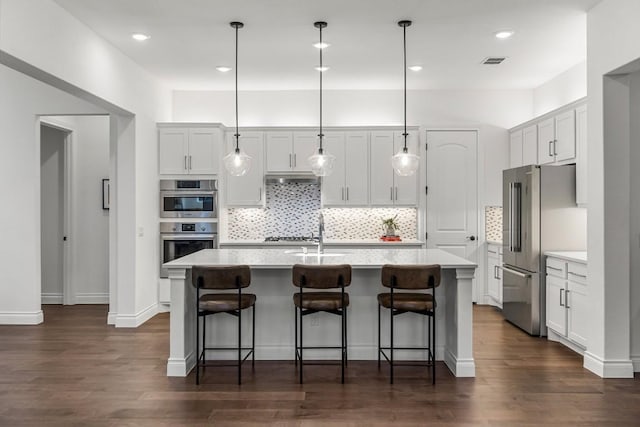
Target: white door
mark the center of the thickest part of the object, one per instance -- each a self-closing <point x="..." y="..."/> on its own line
<point x="565" y="146"/>
<point x="278" y="151"/>
<point x="556" y="310"/>
<point x="452" y="205"/>
<point x="405" y="187"/>
<point x="204" y="151"/>
<point x="333" y="188"/>
<point x="174" y="151"/>
<point x="530" y="145"/>
<point x="380" y="171"/>
<point x="515" y="149"/>
<point x="305" y="144"/>
<point x="247" y="190"/>
<point x="357" y="168"/>
<point x="546" y="137"/>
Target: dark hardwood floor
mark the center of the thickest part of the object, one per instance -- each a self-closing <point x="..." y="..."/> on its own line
<point x="73" y="370"/>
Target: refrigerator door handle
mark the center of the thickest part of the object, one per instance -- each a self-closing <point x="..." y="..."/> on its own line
<point x="516" y="273"/>
<point x="517" y="209"/>
<point x="511" y="217"/>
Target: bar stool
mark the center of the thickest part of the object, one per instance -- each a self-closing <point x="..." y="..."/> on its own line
<point x="410" y="277"/>
<point x="218" y="278"/>
<point x="305" y="303"/>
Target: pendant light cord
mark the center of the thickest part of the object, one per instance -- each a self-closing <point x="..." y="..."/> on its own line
<point x="237" y="133"/>
<point x="321" y="71"/>
<point x="404" y="40"/>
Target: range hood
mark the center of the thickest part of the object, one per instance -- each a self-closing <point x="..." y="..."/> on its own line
<point x="291" y="177"/>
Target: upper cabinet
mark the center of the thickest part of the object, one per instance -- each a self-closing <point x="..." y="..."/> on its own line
<point x="515" y="149"/>
<point x="289" y="151"/>
<point x="530" y="145"/>
<point x="246" y="190"/>
<point x="348" y="185"/>
<point x="557" y="138"/>
<point x="387" y="188"/>
<point x="581" y="158"/>
<point x="185" y="150"/>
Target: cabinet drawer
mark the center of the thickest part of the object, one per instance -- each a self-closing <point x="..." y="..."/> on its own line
<point x="556" y="267"/>
<point x="577" y="272"/>
<point x="493" y="251"/>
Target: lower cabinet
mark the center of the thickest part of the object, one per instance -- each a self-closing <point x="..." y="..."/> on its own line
<point x="567" y="303"/>
<point x="494" y="274"/>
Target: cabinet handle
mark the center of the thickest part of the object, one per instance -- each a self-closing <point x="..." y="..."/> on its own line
<point x="584" y="276"/>
<point x="290" y="161"/>
<point x="259" y="194"/>
<point x="342" y="193"/>
<point x="554" y="268"/>
<point x="189" y="162"/>
<point x="347" y="193"/>
<point x="555" y="147"/>
<point x="185" y="163"/>
<point x="550" y="151"/>
<point x="561" y="291"/>
<point x="498" y="272"/>
<point x="295" y="160"/>
<point x="396" y="194"/>
<point x="391" y="188"/>
<point x="566" y="298"/>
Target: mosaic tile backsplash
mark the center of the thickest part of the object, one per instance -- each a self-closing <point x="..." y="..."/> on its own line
<point x="292" y="210"/>
<point x="493" y="223"/>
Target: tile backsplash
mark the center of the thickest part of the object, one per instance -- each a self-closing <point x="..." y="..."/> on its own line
<point x="292" y="210"/>
<point x="493" y="223"/>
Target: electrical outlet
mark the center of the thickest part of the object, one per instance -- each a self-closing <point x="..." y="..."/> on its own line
<point x="315" y="321"/>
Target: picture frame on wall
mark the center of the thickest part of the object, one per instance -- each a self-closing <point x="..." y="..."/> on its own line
<point x="106" y="194"/>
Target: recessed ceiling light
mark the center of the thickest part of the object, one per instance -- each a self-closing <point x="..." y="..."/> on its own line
<point x="223" y="69"/>
<point x="140" y="37"/>
<point x="322" y="69"/>
<point x="504" y="34"/>
<point x="322" y="45"/>
<point x="415" y="67"/>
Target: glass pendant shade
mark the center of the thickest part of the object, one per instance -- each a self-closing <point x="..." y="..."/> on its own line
<point x="322" y="163"/>
<point x="405" y="163"/>
<point x="237" y="163"/>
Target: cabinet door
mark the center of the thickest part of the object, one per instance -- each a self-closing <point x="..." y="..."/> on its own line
<point x="381" y="173"/>
<point x="204" y="151"/>
<point x="173" y="147"/>
<point x="578" y="312"/>
<point x="581" y="155"/>
<point x="556" y="311"/>
<point x="405" y="187"/>
<point x="515" y="149"/>
<point x="546" y="136"/>
<point x="565" y="145"/>
<point x="333" y="188"/>
<point x="247" y="190"/>
<point x="493" y="283"/>
<point x="357" y="168"/>
<point x="530" y="146"/>
<point x="305" y="144"/>
<point x="278" y="151"/>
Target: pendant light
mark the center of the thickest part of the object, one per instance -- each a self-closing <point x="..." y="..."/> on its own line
<point x="405" y="163"/>
<point x="236" y="162"/>
<point x="321" y="162"/>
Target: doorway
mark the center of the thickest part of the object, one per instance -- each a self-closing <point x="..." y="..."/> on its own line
<point x="452" y="193"/>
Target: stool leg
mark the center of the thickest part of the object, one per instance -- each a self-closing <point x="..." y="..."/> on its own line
<point x="391" y="349"/>
<point x="197" y="348"/>
<point x="253" y="339"/>
<point x="295" y="348"/>
<point x="346" y="338"/>
<point x="301" y="336"/>
<point x="204" y="342"/>
<point x="433" y="367"/>
<point x="342" y="350"/>
<point x="378" y="336"/>
<point x="239" y="345"/>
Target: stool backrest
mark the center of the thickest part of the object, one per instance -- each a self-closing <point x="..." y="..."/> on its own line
<point x="321" y="276"/>
<point x="411" y="276"/>
<point x="221" y="277"/>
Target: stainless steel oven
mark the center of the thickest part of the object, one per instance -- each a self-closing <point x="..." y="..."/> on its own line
<point x="184" y="198"/>
<point x="178" y="239"/>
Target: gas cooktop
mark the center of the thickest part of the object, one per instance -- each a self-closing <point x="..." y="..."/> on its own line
<point x="289" y="239"/>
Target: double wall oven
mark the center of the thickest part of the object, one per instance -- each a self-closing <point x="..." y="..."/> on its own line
<point x="196" y="203"/>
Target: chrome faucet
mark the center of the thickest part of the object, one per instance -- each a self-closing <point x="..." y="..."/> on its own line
<point x="321" y="233"/>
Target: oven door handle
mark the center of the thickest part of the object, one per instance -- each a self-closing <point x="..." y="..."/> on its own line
<point x="188" y="193"/>
<point x="177" y="236"/>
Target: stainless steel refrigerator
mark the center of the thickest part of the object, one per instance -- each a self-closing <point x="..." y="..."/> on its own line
<point x="539" y="214"/>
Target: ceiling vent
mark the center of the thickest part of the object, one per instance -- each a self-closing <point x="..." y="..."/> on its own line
<point x="493" y="60"/>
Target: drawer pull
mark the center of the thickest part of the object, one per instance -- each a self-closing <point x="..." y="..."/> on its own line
<point x="584" y="276"/>
<point x="561" y="303"/>
<point x="566" y="298"/>
<point x="554" y="268"/>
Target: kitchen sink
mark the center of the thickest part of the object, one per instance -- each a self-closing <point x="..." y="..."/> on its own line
<point x="313" y="253"/>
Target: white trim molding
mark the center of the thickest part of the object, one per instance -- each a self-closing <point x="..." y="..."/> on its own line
<point x="135" y="320"/>
<point x="52" y="298"/>
<point x="21" y="318"/>
<point x="608" y="368"/>
<point x="92" y="298"/>
<point x="460" y="367"/>
<point x="635" y="360"/>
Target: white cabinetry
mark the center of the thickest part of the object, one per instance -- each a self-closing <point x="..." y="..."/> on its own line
<point x="515" y="149"/>
<point x="567" y="302"/>
<point x="581" y="158"/>
<point x="184" y="151"/>
<point x="494" y="274"/>
<point x="387" y="188"/>
<point x="246" y="190"/>
<point x="348" y="185"/>
<point x="530" y="145"/>
<point x="557" y="138"/>
<point x="289" y="151"/>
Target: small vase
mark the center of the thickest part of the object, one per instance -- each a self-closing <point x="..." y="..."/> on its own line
<point x="390" y="231"/>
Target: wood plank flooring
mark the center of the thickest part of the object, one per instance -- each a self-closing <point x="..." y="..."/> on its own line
<point x="74" y="370"/>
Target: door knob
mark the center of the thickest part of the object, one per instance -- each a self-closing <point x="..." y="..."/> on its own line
<point x="472" y="238"/>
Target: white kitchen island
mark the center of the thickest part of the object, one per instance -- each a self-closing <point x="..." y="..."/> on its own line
<point x="271" y="282"/>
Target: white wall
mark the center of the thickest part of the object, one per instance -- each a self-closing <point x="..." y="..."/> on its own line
<point x="612" y="41"/>
<point x="563" y="89"/>
<point x="635" y="221"/>
<point x="42" y="40"/>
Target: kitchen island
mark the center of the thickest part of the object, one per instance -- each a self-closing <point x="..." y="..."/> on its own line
<point x="271" y="282"/>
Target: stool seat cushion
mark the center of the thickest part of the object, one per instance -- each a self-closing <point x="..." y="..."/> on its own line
<point x="321" y="300"/>
<point x="407" y="301"/>
<point x="218" y="303"/>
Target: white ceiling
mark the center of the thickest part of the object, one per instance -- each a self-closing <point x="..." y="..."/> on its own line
<point x="449" y="38"/>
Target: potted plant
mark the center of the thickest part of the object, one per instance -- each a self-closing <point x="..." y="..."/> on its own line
<point x="390" y="226"/>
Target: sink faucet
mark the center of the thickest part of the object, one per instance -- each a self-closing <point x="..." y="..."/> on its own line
<point x="321" y="233"/>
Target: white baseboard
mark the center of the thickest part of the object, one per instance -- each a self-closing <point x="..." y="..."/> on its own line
<point x="51" y="298"/>
<point x="555" y="337"/>
<point x="135" y="320"/>
<point x="608" y="368"/>
<point x="92" y="298"/>
<point x="164" y="307"/>
<point x="636" y="363"/>
<point x="460" y="367"/>
<point x="21" y="318"/>
<point x="111" y="318"/>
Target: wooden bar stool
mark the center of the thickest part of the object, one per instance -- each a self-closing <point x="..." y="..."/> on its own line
<point x="305" y="303"/>
<point x="410" y="277"/>
<point x="219" y="278"/>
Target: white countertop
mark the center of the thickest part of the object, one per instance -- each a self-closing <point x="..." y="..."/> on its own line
<point x="357" y="258"/>
<point x="494" y="242"/>
<point x="578" y="256"/>
<point x="327" y="242"/>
